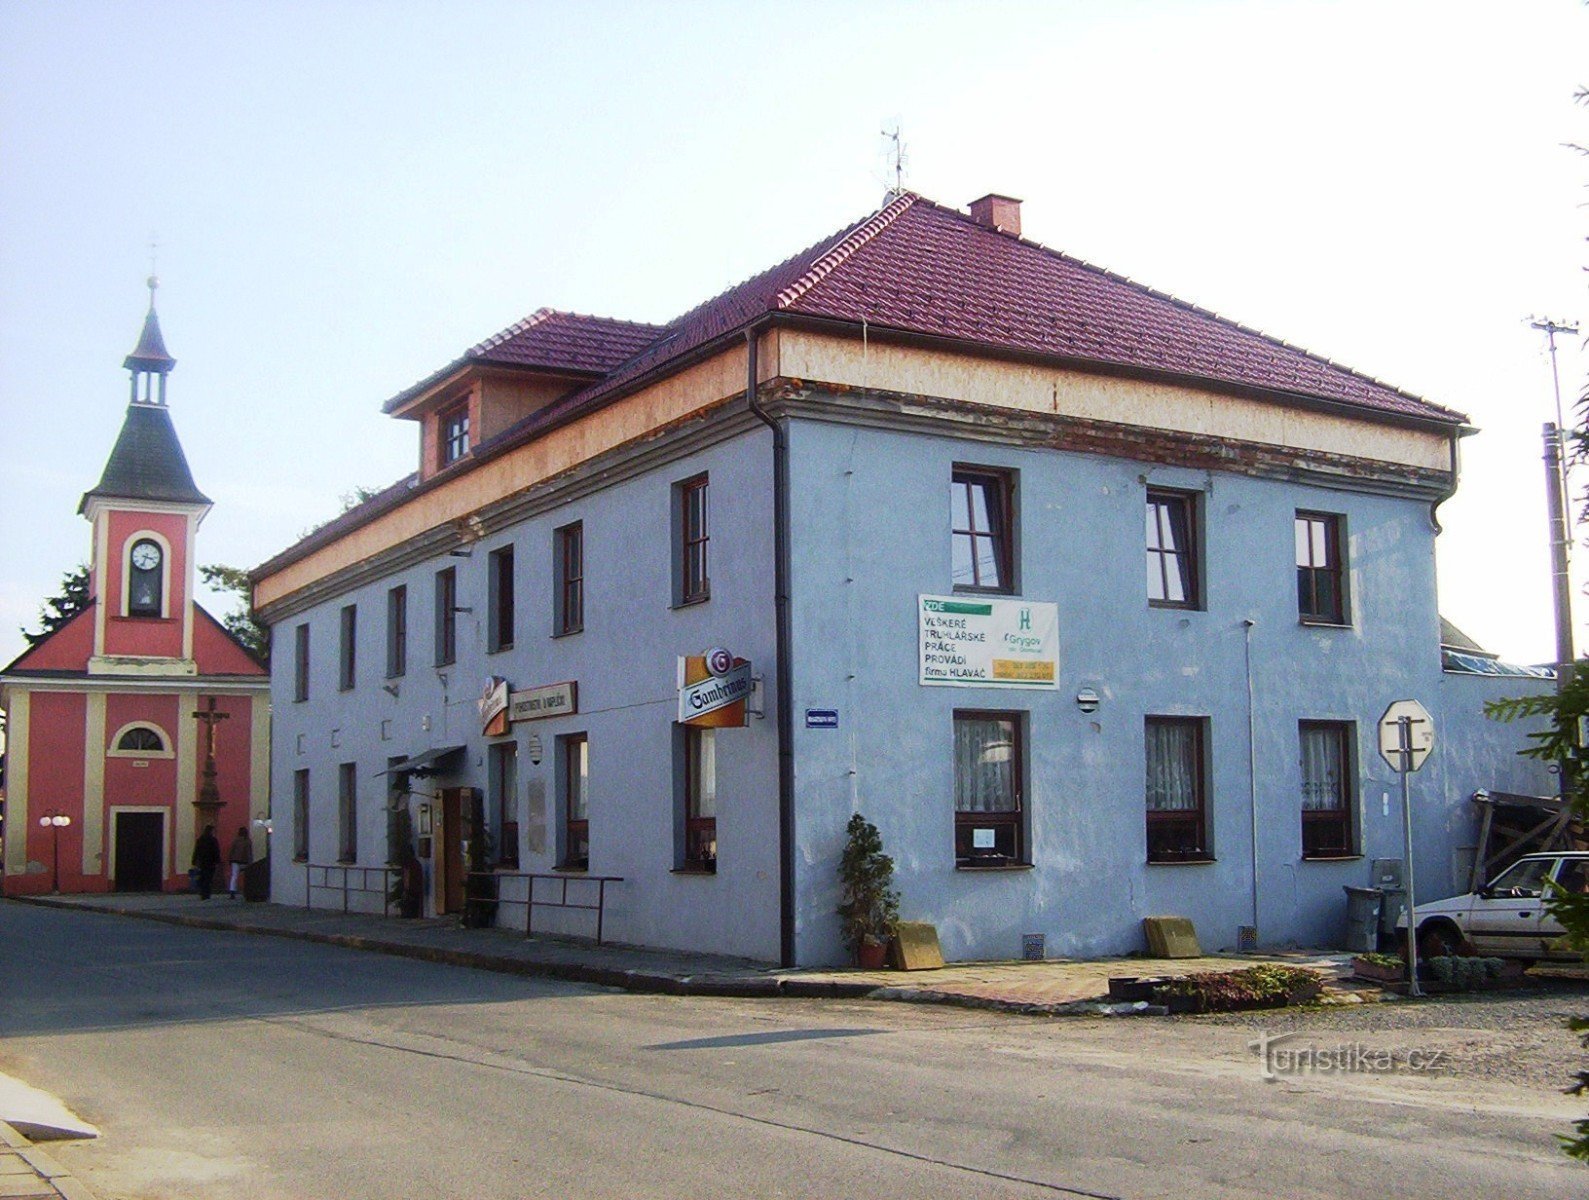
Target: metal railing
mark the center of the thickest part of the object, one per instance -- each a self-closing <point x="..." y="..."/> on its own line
<point x="531" y="900"/>
<point x="350" y="879"/>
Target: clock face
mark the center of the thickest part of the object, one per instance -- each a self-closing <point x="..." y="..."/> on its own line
<point x="146" y="556"/>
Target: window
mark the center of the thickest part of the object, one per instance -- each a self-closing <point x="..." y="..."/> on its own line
<point x="979" y="512"/>
<point x="569" y="614"/>
<point x="1172" y="550"/>
<point x="446" y="616"/>
<point x="145" y="579"/>
<point x="346" y="660"/>
<point x="1327" y="799"/>
<point x="141" y="737"/>
<point x="300" y="663"/>
<point x="396" y="632"/>
<point x="1177" y="824"/>
<point x="454" y="434"/>
<point x="576" y="802"/>
<point x="504" y="777"/>
<point x="691" y="582"/>
<point x="300" y="816"/>
<point x="347" y="813"/>
<point x="700" y="799"/>
<point x="499" y="632"/>
<point x="988" y="771"/>
<point x="1321" y="582"/>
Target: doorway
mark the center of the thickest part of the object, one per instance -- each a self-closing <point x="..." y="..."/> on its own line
<point x="448" y="865"/>
<point x="140" y="851"/>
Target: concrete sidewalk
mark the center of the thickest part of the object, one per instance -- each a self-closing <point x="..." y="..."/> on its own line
<point x="27" y="1171"/>
<point x="1052" y="986"/>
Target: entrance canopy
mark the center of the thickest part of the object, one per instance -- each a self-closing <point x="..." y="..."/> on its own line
<point x="428" y="762"/>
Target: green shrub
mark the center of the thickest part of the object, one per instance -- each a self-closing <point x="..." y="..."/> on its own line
<point x="1463" y="973"/>
<point x="1268" y="985"/>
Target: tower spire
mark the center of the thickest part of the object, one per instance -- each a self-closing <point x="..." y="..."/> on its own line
<point x="149" y="359"/>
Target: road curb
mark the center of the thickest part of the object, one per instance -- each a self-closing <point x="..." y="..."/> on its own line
<point x="49" y="1172"/>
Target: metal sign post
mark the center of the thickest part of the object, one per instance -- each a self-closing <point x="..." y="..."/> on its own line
<point x="1406" y="737"/>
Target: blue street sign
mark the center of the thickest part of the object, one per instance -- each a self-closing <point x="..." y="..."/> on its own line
<point x="822" y="718"/>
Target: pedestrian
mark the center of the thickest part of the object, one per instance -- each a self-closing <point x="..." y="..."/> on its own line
<point x="239" y="856"/>
<point x="206" y="857"/>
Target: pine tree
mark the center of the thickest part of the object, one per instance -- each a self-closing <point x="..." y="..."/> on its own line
<point x="59" y="609"/>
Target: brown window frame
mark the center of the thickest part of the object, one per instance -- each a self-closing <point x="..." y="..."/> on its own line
<point x="1321" y="585"/>
<point x="446" y="638"/>
<point x="504" y="801"/>
<point x="499" y="631"/>
<point x="700" y="831"/>
<point x="694" y="538"/>
<point x="397" y="631"/>
<point x="347" y="648"/>
<point x="569" y="563"/>
<point x="998" y="489"/>
<point x="300" y="663"/>
<point x="1330" y="832"/>
<point x="1008" y="825"/>
<point x="347" y="812"/>
<point x="1171" y="514"/>
<point x="300" y="815"/>
<point x="1186" y="826"/>
<point x="452" y="434"/>
<point x="576" y="830"/>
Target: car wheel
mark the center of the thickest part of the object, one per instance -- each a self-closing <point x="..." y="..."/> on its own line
<point x="1439" y="939"/>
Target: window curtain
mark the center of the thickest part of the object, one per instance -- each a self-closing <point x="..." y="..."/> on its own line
<point x="1172" y="766"/>
<point x="984" y="765"/>
<point x="1321" y="770"/>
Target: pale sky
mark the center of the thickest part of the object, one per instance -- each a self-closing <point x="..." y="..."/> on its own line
<point x="347" y="195"/>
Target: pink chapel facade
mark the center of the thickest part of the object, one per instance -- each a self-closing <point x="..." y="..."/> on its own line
<point x="101" y="715"/>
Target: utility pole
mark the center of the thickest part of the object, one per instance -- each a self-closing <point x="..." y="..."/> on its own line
<point x="1557" y="504"/>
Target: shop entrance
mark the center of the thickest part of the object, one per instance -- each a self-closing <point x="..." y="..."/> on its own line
<point x="449" y="865"/>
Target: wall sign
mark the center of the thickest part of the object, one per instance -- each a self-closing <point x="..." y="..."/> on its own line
<point x="493" y="705"/>
<point x="537" y="703"/>
<point x="971" y="642"/>
<point x="822" y="718"/>
<point x="713" y="689"/>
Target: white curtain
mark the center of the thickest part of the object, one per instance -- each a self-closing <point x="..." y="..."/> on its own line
<point x="1172" y="766"/>
<point x="1321" y="770"/>
<point x="984" y="765"/>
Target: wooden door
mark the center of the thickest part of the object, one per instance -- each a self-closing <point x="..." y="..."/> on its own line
<point x="448" y="863"/>
<point x="140" y="849"/>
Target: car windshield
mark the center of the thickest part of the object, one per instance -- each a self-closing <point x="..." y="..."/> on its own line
<point x="1522" y="879"/>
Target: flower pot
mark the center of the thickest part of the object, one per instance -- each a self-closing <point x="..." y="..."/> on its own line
<point x="871" y="955"/>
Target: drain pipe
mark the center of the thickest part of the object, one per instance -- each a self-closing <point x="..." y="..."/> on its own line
<point x="1252" y="776"/>
<point x="784" y="634"/>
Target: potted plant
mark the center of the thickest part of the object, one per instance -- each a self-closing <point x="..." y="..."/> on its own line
<point x="870" y="905"/>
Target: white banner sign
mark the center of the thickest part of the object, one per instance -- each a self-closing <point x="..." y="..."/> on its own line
<point x="553" y="700"/>
<point x="967" y="641"/>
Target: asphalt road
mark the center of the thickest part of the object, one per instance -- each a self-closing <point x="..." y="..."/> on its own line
<point x="223" y="1065"/>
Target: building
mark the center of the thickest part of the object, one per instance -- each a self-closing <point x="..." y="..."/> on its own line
<point x="140" y="719"/>
<point x="1092" y="600"/>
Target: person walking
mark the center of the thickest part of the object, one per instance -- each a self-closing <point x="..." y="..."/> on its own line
<point x="206" y="857"/>
<point x="239" y="856"/>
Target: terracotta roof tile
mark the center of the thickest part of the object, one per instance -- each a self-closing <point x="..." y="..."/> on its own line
<point x="917" y="267"/>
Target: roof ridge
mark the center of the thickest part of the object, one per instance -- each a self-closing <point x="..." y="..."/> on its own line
<point x="1188" y="305"/>
<point x="836" y="257"/>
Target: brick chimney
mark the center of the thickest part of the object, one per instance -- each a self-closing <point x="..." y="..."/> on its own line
<point x="1002" y="213"/>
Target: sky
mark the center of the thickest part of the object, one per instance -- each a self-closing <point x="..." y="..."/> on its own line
<point x="344" y="195"/>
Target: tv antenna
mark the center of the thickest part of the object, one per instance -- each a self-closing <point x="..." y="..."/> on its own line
<point x="1550" y="328"/>
<point x="897" y="157"/>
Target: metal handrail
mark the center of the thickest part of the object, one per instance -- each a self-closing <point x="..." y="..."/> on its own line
<point x="348" y="888"/>
<point x="565" y="878"/>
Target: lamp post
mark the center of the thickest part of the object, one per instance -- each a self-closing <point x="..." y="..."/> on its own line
<point x="55" y="821"/>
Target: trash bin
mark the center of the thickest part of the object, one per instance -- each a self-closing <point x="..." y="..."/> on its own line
<point x="1362" y="919"/>
<point x="1391" y="909"/>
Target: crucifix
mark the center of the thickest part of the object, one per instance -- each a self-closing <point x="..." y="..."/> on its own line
<point x="209" y="800"/>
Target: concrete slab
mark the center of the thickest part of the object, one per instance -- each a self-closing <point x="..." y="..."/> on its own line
<point x="39" y="1116"/>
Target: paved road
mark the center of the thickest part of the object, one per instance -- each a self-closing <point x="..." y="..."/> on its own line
<point x="222" y="1065"/>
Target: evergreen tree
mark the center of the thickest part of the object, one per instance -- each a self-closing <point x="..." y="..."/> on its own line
<point x="239" y="621"/>
<point x="59" y="609"/>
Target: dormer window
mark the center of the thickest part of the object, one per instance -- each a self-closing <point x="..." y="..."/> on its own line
<point x="145" y="579"/>
<point x="454" y="434"/>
